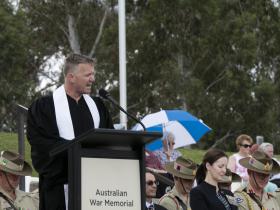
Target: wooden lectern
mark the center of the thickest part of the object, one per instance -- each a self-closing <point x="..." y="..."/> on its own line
<point x="106" y="169"/>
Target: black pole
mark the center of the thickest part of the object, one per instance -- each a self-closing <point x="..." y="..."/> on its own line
<point x="22" y="111"/>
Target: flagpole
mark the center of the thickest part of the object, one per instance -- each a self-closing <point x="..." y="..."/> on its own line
<point x="122" y="62"/>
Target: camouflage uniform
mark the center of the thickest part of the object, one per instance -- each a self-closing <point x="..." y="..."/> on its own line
<point x="246" y="200"/>
<point x="24" y="201"/>
<point x="184" y="169"/>
<point x="173" y="201"/>
<point x="245" y="197"/>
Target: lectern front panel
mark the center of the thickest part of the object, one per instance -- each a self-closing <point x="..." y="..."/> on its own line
<point x="106" y="170"/>
<point x="110" y="184"/>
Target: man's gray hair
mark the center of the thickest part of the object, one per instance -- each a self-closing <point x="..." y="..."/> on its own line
<point x="264" y="145"/>
<point x="73" y="60"/>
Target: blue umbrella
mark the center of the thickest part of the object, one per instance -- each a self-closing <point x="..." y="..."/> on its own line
<point x="186" y="128"/>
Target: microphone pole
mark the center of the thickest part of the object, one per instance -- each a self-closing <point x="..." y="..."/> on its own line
<point x="106" y="95"/>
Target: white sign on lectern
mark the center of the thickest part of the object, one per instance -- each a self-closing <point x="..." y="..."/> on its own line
<point x="110" y="184"/>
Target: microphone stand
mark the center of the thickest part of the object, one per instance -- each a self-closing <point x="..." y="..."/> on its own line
<point x="131" y="116"/>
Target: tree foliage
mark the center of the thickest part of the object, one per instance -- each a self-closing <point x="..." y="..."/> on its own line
<point x="17" y="64"/>
<point x="217" y="59"/>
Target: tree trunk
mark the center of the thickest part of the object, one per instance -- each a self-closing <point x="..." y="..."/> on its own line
<point x="180" y="60"/>
<point x="73" y="35"/>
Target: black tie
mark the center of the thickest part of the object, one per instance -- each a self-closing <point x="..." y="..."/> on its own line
<point x="151" y="207"/>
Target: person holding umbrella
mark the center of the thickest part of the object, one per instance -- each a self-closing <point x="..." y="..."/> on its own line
<point x="167" y="153"/>
<point x="186" y="128"/>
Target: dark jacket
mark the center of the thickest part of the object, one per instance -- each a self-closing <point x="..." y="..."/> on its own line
<point x="204" y="197"/>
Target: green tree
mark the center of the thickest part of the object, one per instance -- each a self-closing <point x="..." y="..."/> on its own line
<point x="16" y="61"/>
<point x="217" y="59"/>
<point x="219" y="63"/>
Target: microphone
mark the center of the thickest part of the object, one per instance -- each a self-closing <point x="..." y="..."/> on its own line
<point x="106" y="95"/>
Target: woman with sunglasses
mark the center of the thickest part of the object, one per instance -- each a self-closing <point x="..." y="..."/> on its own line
<point x="243" y="144"/>
<point x="207" y="195"/>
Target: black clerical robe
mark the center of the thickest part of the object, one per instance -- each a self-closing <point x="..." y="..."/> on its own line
<point x="43" y="136"/>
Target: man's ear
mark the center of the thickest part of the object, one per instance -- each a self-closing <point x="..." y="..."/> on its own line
<point x="70" y="77"/>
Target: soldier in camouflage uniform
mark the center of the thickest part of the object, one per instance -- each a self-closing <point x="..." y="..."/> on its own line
<point x="11" y="168"/>
<point x="183" y="171"/>
<point x="228" y="179"/>
<point x="252" y="197"/>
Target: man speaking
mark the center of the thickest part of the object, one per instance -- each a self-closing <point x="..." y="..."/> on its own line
<point x="55" y="119"/>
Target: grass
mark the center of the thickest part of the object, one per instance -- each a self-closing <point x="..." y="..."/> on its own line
<point x="195" y="154"/>
<point x="9" y="141"/>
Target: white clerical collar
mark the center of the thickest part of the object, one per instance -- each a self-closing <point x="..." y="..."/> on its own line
<point x="63" y="116"/>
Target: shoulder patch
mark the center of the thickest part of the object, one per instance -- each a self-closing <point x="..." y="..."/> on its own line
<point x="231" y="200"/>
<point x="239" y="200"/>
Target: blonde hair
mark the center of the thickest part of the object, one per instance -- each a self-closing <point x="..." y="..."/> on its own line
<point x="241" y="138"/>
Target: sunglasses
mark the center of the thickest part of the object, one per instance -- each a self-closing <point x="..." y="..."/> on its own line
<point x="150" y="183"/>
<point x="246" y="145"/>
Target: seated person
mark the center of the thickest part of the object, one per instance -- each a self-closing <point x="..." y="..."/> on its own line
<point x="153" y="165"/>
<point x="152" y="161"/>
<point x="12" y="166"/>
<point x="208" y="195"/>
<point x="165" y="181"/>
<point x="151" y="188"/>
<point x="228" y="179"/>
<point x="268" y="149"/>
<point x="167" y="153"/>
<point x="183" y="171"/>
<point x="252" y="196"/>
<point x="243" y="144"/>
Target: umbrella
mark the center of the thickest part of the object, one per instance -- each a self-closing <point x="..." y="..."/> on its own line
<point x="186" y="128"/>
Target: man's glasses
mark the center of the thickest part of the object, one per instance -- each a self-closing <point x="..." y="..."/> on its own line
<point x="150" y="183"/>
<point x="246" y="145"/>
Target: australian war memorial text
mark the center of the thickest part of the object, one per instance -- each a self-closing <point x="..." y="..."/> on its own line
<point x="114" y="193"/>
<point x="111" y="198"/>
